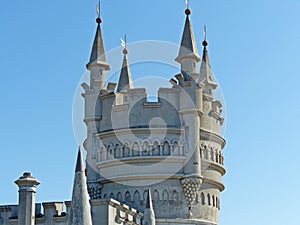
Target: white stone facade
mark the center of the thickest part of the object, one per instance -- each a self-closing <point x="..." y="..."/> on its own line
<point x="172" y="147"/>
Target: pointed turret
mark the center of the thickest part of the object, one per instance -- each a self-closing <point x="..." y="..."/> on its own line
<point x="206" y="75"/>
<point x="188" y="55"/>
<point x="125" y="80"/>
<point x="80" y="212"/>
<point x="149" y="216"/>
<point x="97" y="63"/>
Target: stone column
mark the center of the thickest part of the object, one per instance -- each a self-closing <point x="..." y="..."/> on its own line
<point x="27" y="191"/>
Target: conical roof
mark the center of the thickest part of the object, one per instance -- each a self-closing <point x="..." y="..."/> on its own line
<point x="80" y="212"/>
<point x="98" y="52"/>
<point x="188" y="47"/>
<point x="125" y="79"/>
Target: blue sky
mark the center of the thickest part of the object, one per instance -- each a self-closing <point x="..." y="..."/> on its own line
<point x="254" y="50"/>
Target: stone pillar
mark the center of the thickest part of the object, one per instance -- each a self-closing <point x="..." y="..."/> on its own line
<point x="27" y="191"/>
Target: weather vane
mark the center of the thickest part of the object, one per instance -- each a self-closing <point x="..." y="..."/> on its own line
<point x="124" y="44"/>
<point x="98" y="9"/>
<point x="187" y="3"/>
<point x="204" y="43"/>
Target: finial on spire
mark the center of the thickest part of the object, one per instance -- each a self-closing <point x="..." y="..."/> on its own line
<point x="98" y="20"/>
<point x="205" y="43"/>
<point x="124" y="45"/>
<point x="187" y="11"/>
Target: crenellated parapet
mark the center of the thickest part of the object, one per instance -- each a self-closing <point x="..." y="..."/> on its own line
<point x="46" y="213"/>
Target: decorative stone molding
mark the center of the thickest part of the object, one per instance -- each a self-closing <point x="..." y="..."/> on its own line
<point x="94" y="189"/>
<point x="190" y="185"/>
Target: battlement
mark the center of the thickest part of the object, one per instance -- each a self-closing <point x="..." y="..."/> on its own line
<point x="51" y="213"/>
<point x="45" y="213"/>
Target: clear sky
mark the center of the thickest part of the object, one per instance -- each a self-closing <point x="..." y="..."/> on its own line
<point x="254" y="50"/>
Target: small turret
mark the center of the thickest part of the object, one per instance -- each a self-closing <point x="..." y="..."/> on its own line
<point x="97" y="63"/>
<point x="125" y="81"/>
<point x="188" y="55"/>
<point x="206" y="75"/>
<point x="80" y="212"/>
<point x="149" y="216"/>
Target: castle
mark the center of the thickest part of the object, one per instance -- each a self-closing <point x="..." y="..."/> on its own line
<point x="147" y="162"/>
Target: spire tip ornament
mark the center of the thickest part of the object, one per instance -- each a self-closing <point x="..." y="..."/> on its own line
<point x="204" y="43"/>
<point x="124" y="45"/>
<point x="187" y="11"/>
<point x="98" y="20"/>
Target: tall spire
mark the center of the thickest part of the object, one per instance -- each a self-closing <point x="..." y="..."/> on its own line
<point x="188" y="47"/>
<point x="149" y="216"/>
<point x="97" y="64"/>
<point x="125" y="80"/>
<point x="188" y="55"/>
<point x="80" y="212"/>
<point x="206" y="75"/>
<point x="98" y="52"/>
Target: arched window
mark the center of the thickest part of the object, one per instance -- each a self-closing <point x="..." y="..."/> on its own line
<point x="126" y="150"/>
<point x="217" y="156"/>
<point x="109" y="152"/>
<point x="117" y="151"/>
<point x="111" y="195"/>
<point x="212" y="154"/>
<point x="166" y="148"/>
<point x="145" y="195"/>
<point x="214" y="201"/>
<point x="205" y="152"/>
<point x="145" y="148"/>
<point x="155" y="148"/>
<point x="202" y="198"/>
<point x="208" y="199"/>
<point x="127" y="197"/>
<point x="119" y="197"/>
<point x="176" y="151"/>
<point x="135" y="149"/>
<point x="136" y="196"/>
<point x="155" y="195"/>
<point x="175" y="196"/>
<point x="165" y="195"/>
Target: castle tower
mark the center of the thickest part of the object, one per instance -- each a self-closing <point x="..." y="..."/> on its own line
<point x="97" y="66"/>
<point x="80" y="212"/>
<point x="129" y="150"/>
<point x="27" y="194"/>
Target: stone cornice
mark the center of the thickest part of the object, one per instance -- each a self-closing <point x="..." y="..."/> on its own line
<point x="169" y="130"/>
<point x="209" y="136"/>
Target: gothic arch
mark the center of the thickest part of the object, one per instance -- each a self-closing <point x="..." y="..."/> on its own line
<point x="119" y="197"/>
<point x="146" y="148"/>
<point x="156" y="148"/>
<point x="208" y="199"/>
<point x="126" y="151"/>
<point x="136" y="196"/>
<point x="175" y="195"/>
<point x="176" y="149"/>
<point x="155" y="195"/>
<point x="214" y="201"/>
<point x="165" y="195"/>
<point x="127" y="197"/>
<point x="135" y="148"/>
<point x="111" y="195"/>
<point x="202" y="197"/>
<point x="110" y="151"/>
<point x="145" y="195"/>
<point x="166" y="148"/>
